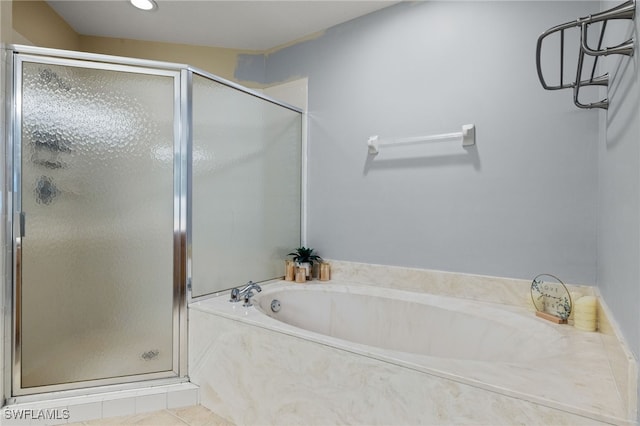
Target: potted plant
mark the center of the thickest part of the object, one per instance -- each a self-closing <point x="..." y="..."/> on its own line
<point x="304" y="258"/>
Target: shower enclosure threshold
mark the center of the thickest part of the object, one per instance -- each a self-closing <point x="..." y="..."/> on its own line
<point x="100" y="402"/>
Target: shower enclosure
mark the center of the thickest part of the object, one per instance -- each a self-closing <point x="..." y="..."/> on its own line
<point x="132" y="186"/>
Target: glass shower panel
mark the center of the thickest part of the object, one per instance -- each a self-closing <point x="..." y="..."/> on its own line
<point x="97" y="288"/>
<point x="246" y="187"/>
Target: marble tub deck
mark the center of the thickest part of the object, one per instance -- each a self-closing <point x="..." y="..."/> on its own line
<point x="579" y="381"/>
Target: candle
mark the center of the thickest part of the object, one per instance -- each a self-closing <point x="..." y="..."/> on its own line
<point x="325" y="271"/>
<point x="586" y="314"/>
<point x="301" y="275"/>
<point x="574" y="298"/>
<point x="290" y="270"/>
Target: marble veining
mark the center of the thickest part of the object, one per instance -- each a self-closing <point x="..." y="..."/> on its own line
<point x="505" y="291"/>
<point x="279" y="372"/>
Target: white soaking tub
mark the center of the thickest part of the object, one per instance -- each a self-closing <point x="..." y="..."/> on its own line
<point x="354" y="354"/>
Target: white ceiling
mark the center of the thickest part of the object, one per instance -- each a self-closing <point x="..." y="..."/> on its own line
<point x="253" y="25"/>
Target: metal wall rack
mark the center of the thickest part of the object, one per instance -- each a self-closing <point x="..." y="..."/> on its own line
<point x="623" y="11"/>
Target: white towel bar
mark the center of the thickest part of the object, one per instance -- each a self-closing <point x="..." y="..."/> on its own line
<point x="468" y="136"/>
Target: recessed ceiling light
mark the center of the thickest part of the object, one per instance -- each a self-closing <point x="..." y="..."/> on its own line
<point x="144" y="4"/>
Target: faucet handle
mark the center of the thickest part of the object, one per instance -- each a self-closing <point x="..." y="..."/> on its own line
<point x="235" y="295"/>
<point x="247" y="299"/>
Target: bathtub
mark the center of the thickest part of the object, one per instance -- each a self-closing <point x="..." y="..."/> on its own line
<point x="342" y="353"/>
<point x="406" y="326"/>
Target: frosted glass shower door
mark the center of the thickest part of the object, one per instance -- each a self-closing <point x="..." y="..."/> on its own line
<point x="95" y="167"/>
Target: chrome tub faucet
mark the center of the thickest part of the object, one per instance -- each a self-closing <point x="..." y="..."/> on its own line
<point x="245" y="294"/>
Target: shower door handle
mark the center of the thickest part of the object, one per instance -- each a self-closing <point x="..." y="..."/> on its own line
<point x="22" y="224"/>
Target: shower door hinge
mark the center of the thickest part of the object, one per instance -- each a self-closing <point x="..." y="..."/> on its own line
<point x="189" y="284"/>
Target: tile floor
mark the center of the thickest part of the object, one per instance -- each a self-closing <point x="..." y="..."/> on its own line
<point x="186" y="416"/>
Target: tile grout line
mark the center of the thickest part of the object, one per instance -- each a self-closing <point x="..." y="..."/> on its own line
<point x="178" y="417"/>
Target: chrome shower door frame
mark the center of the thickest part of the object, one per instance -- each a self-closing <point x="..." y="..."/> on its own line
<point x="17" y="56"/>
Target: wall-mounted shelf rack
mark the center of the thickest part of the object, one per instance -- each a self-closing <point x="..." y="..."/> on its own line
<point x="625" y="10"/>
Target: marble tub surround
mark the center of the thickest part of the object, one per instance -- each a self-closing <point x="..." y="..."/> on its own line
<point x="623" y="365"/>
<point x="253" y="376"/>
<point x="508" y="291"/>
<point x="289" y="372"/>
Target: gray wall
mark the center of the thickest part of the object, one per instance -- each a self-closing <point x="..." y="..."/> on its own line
<point x="522" y="202"/>
<point x="619" y="189"/>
